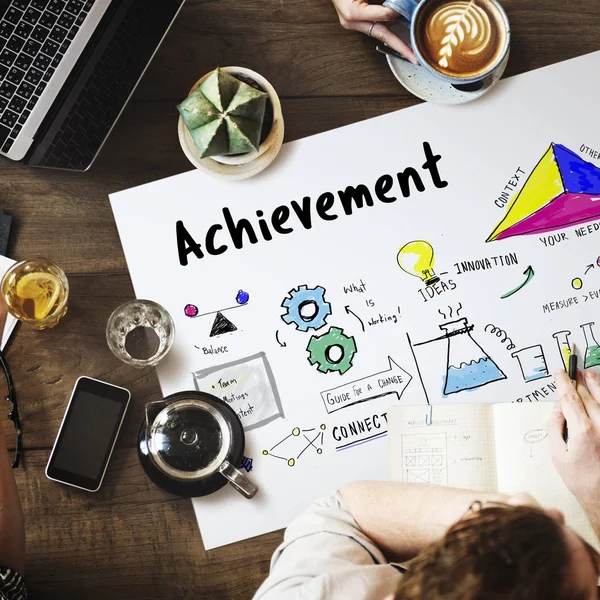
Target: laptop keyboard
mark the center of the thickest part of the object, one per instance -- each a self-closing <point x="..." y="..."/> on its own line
<point x="34" y="36"/>
<point x="88" y="112"/>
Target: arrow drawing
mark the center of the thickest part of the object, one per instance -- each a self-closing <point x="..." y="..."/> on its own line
<point x="529" y="273"/>
<point x="351" y="313"/>
<point x="588" y="268"/>
<point x="277" y="338"/>
<point x="393" y="380"/>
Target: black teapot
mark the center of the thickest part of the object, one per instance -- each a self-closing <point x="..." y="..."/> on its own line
<point x="190" y="444"/>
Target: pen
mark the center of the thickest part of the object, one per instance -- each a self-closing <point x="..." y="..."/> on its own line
<point x="387" y="50"/>
<point x="573" y="377"/>
<point x="573" y="363"/>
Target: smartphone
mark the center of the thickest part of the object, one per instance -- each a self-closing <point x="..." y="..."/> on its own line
<point x="88" y="434"/>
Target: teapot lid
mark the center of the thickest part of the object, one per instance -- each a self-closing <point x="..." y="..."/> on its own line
<point x="189" y="439"/>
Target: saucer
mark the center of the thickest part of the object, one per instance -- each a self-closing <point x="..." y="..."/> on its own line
<point x="420" y="82"/>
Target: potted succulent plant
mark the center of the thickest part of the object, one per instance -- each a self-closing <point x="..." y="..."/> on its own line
<point x="231" y="123"/>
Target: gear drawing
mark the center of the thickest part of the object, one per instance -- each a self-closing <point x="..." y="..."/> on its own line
<point x="320" y="347"/>
<point x="306" y="308"/>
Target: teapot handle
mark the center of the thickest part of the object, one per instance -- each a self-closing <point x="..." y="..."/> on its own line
<point x="238" y="480"/>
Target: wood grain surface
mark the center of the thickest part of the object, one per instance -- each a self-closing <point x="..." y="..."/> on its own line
<point x="131" y="540"/>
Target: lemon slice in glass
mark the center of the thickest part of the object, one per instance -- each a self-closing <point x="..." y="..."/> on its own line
<point x="43" y="289"/>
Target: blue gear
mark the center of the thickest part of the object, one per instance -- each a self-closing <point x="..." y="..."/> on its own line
<point x="298" y="299"/>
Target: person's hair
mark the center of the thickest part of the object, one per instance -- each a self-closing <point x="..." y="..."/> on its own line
<point x="500" y="553"/>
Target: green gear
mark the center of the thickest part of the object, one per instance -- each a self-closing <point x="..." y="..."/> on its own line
<point x="319" y="346"/>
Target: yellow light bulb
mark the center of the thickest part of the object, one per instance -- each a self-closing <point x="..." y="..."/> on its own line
<point x="417" y="258"/>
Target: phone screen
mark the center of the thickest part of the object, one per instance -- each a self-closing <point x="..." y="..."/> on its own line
<point x="88" y="434"/>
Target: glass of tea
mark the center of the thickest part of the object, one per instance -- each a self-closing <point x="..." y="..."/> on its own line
<point x="36" y="292"/>
<point x="140" y="333"/>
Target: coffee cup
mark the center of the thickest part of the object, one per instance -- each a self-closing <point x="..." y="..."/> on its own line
<point x="460" y="42"/>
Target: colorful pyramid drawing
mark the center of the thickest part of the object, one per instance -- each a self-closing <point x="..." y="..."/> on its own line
<point x="562" y="190"/>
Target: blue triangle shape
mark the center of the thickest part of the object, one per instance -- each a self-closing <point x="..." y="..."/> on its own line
<point x="578" y="175"/>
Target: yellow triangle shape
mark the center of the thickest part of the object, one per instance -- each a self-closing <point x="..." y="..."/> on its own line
<point x="543" y="185"/>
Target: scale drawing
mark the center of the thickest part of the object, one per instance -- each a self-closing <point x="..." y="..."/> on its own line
<point x="532" y="362"/>
<point x="221" y="325"/>
<point x="294" y="445"/>
<point x="592" y="349"/>
<point x="242" y="297"/>
<point x="424" y="458"/>
<point x="468" y="364"/>
<point x="417" y="259"/>
<point x="564" y="346"/>
<point x="562" y="190"/>
<point x="332" y="351"/>
<point x="192" y="311"/>
<point x="306" y="308"/>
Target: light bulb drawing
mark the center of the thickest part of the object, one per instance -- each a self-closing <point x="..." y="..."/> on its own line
<point x="417" y="259"/>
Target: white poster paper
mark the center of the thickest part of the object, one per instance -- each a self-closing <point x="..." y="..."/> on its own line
<point x="441" y="254"/>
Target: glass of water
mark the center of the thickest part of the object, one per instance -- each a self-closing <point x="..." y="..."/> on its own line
<point x="140" y="333"/>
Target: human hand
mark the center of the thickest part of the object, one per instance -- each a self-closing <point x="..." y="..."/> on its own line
<point x="359" y="15"/>
<point x="578" y="461"/>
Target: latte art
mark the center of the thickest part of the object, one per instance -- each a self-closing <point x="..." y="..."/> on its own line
<point x="467" y="28"/>
<point x="461" y="38"/>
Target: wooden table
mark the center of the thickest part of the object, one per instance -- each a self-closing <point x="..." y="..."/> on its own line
<point x="131" y="540"/>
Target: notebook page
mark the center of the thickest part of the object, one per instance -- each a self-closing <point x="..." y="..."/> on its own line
<point x="524" y="463"/>
<point x="457" y="449"/>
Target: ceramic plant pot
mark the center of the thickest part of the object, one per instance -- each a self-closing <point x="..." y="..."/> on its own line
<point x="241" y="166"/>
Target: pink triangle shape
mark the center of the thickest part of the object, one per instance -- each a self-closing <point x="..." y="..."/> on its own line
<point x="566" y="209"/>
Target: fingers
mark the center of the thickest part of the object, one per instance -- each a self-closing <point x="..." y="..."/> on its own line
<point x="591" y="405"/>
<point x="350" y="13"/>
<point x="556" y="431"/>
<point x="372" y="12"/>
<point x="571" y="404"/>
<point x="593" y="384"/>
<point x="382" y="33"/>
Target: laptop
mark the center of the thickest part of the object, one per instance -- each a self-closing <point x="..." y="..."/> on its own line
<point x="67" y="70"/>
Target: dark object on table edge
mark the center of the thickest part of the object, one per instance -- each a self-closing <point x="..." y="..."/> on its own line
<point x="13" y="414"/>
<point x="68" y="70"/>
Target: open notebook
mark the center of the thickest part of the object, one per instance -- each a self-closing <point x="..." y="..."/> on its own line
<point x="492" y="447"/>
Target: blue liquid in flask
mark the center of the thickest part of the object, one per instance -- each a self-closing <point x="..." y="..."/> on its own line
<point x="473" y="375"/>
<point x="469" y="366"/>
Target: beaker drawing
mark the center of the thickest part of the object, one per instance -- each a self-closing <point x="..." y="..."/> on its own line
<point x="564" y="347"/>
<point x="469" y="366"/>
<point x="532" y="362"/>
<point x="592" y="349"/>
